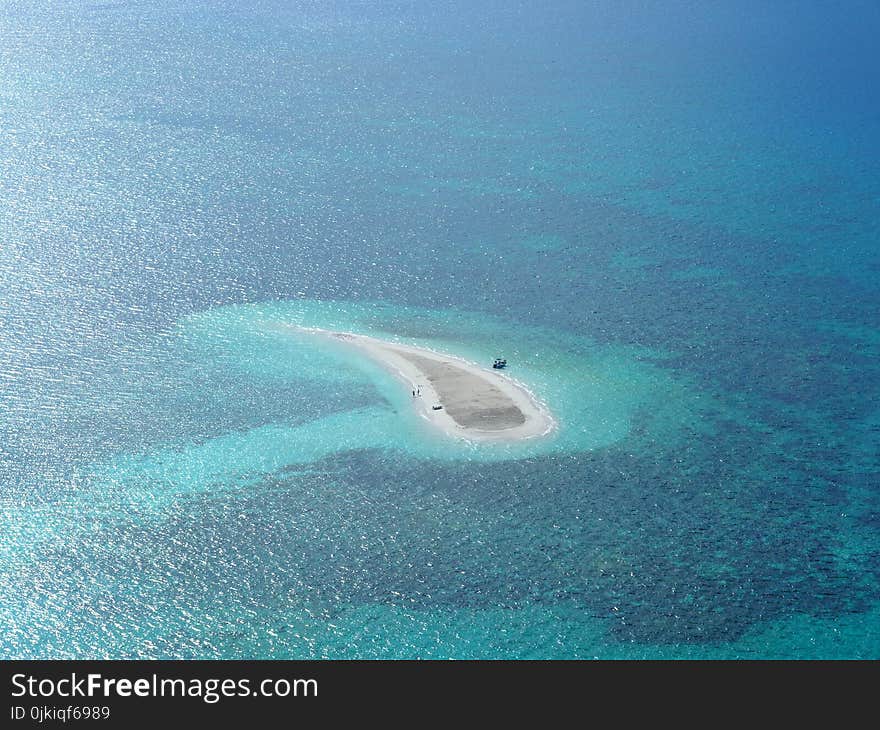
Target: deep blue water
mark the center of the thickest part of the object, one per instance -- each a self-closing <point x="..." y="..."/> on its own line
<point x="668" y="213"/>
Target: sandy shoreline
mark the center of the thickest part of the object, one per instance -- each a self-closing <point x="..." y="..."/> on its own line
<point x="476" y="403"/>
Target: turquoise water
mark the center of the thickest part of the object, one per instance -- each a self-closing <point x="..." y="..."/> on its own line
<point x="664" y="215"/>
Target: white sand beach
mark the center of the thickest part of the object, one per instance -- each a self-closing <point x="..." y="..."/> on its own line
<point x="461" y="398"/>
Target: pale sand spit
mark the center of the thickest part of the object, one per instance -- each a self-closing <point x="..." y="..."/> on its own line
<point x="461" y="398"/>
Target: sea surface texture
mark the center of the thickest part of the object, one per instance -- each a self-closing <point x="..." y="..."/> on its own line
<point x="665" y="215"/>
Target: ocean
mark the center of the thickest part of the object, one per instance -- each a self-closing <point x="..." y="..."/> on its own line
<point x="666" y="215"/>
